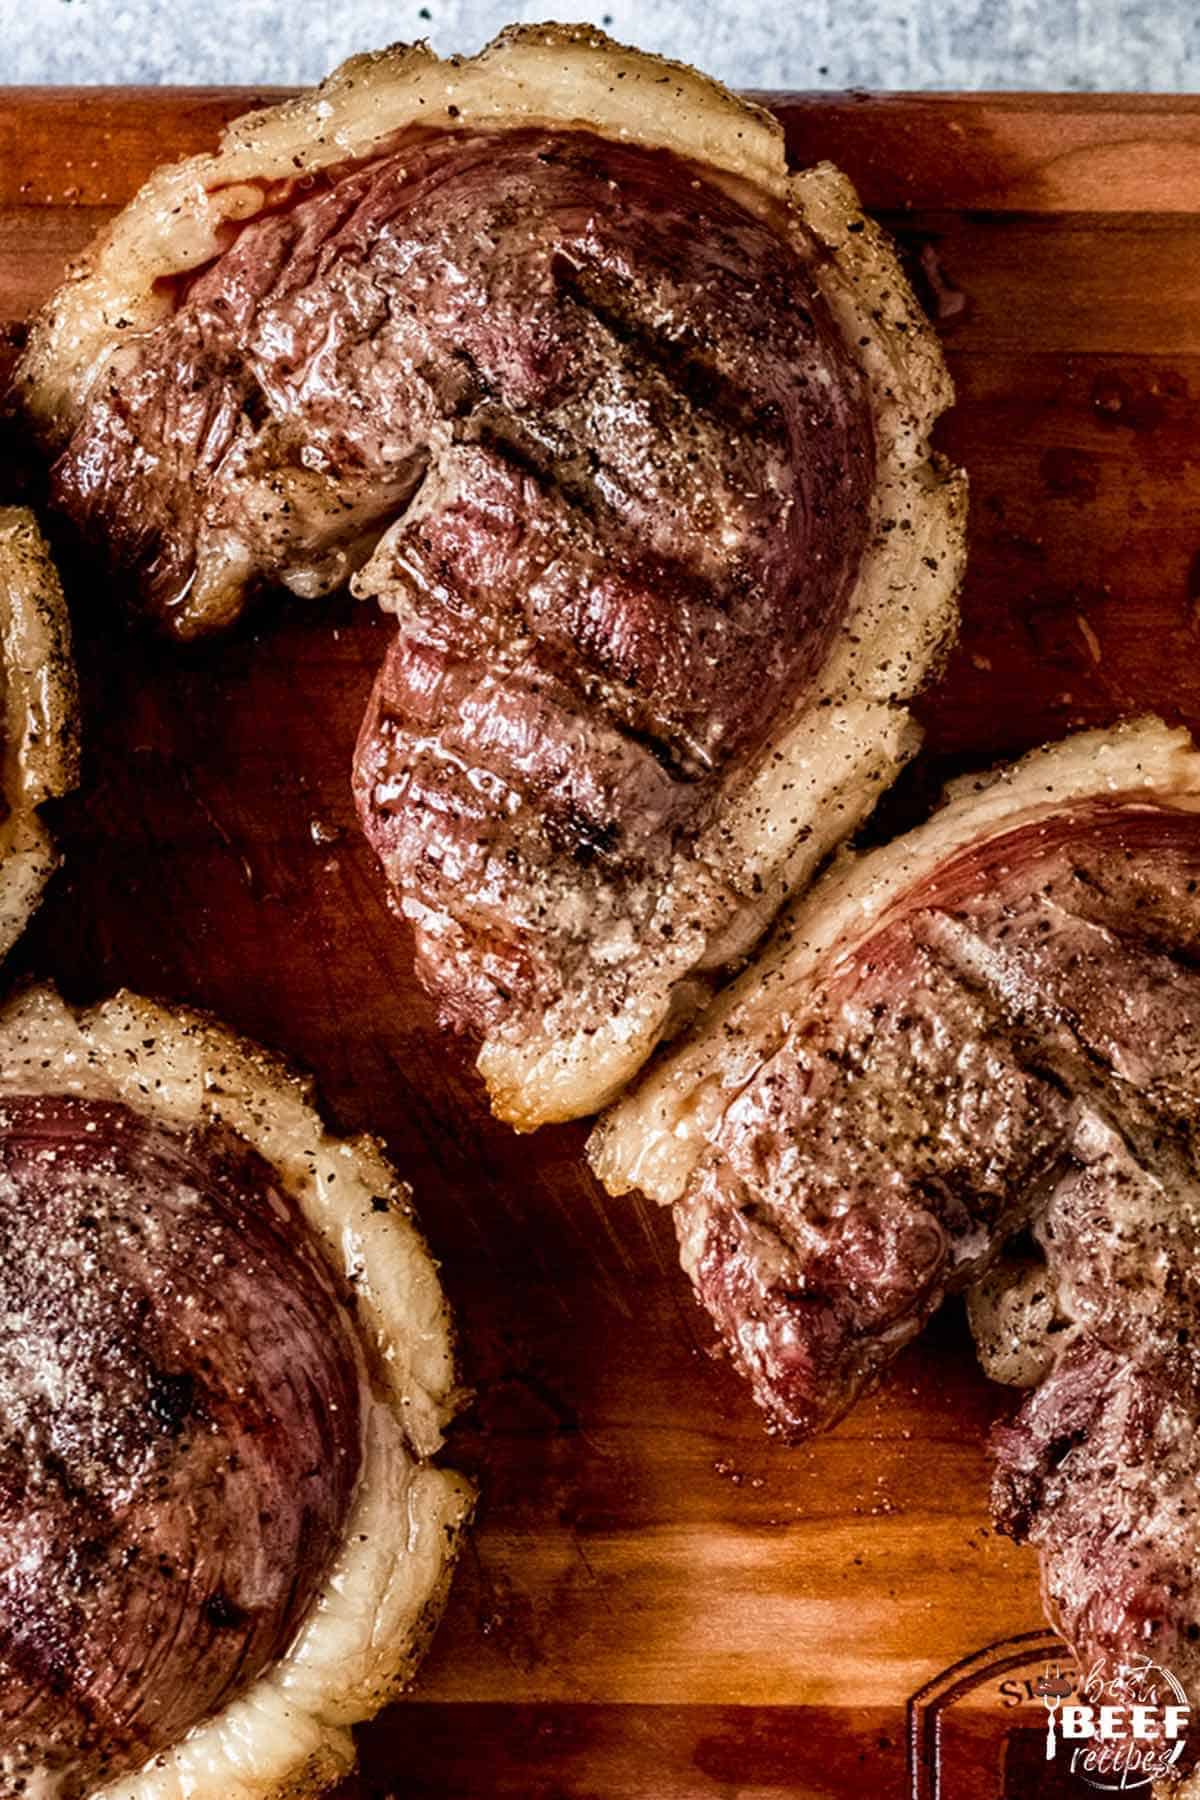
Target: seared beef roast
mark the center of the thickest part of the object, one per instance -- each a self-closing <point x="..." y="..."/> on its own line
<point x="1100" y="1468"/>
<point x="223" y="1359"/>
<point x="606" y="404"/>
<point x="940" y="1085"/>
<point x="626" y="425"/>
<point x="988" y="1028"/>
<point x="182" y="1433"/>
<point x="635" y="548"/>
<point x="1101" y="1471"/>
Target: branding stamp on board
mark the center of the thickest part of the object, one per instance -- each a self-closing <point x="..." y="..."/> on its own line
<point x="1020" y="1720"/>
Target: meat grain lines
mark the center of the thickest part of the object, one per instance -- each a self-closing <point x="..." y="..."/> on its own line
<point x="779" y="1627"/>
<point x="665" y="575"/>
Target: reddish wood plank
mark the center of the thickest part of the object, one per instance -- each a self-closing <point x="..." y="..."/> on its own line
<point x="1015" y="152"/>
<point x="659" y="1601"/>
<point x="674" y="1753"/>
<point x="1036" y="153"/>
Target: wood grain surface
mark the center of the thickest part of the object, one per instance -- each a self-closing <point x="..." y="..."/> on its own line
<point x="658" y="1602"/>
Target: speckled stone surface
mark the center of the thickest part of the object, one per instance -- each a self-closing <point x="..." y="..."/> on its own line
<point x="1123" y="44"/>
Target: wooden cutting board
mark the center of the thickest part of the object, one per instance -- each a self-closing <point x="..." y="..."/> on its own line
<point x="659" y="1602"/>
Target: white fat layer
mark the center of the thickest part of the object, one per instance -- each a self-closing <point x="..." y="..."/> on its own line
<point x="362" y="1642"/>
<point x="824" y="766"/>
<point x="39" y="757"/>
<point x="653" y="1138"/>
<point x="1015" y="1321"/>
<point x="286" y="1738"/>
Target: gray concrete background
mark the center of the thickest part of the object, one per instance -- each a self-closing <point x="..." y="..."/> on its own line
<point x="1126" y="44"/>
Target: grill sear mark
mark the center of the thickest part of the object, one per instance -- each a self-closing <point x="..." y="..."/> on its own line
<point x="180" y="1403"/>
<point x="1012" y="1053"/>
<point x="581" y="419"/>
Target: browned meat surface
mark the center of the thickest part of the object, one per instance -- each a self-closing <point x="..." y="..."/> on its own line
<point x="1101" y="1470"/>
<point x="947" y="1083"/>
<point x="179" y="1398"/>
<point x="596" y="424"/>
<point x="520" y="832"/>
<point x="1014" y="1047"/>
<point x="629" y="353"/>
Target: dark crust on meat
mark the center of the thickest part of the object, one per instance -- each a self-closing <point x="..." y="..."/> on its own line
<point x="929" y="1096"/>
<point x="1100" y="1470"/>
<point x="637" y="463"/>
<point x="803" y="763"/>
<point x="1014" y="1046"/>
<point x="346" y="334"/>
<point x="181" y="1400"/>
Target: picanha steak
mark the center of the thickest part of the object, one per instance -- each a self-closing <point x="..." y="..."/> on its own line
<point x="625" y="424"/>
<point x="981" y="1041"/>
<point x="225" y="1364"/>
